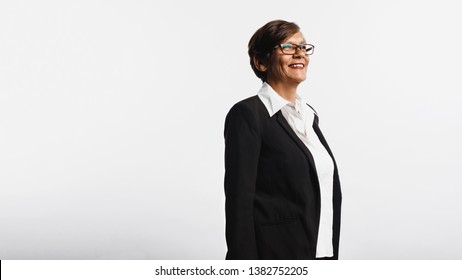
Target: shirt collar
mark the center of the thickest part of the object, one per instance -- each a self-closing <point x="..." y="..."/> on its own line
<point x="273" y="101"/>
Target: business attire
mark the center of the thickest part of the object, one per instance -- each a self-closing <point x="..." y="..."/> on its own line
<point x="282" y="187"/>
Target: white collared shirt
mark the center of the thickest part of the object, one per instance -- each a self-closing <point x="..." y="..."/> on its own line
<point x="300" y="117"/>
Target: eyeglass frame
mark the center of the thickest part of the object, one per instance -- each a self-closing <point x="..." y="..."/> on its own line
<point x="299" y="47"/>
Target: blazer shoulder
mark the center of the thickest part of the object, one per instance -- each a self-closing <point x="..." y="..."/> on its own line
<point x="252" y="102"/>
<point x="246" y="111"/>
<point x="251" y="105"/>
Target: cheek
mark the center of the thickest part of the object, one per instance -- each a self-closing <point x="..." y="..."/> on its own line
<point x="284" y="66"/>
<point x="279" y="68"/>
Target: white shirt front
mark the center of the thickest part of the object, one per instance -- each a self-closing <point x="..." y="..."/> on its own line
<point x="300" y="118"/>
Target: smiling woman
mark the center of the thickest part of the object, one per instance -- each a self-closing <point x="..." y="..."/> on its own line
<point x="282" y="187"/>
<point x="287" y="70"/>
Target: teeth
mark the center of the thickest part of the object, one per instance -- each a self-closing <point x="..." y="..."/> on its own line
<point x="296" y="65"/>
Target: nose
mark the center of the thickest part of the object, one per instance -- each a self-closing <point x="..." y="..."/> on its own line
<point x="299" y="53"/>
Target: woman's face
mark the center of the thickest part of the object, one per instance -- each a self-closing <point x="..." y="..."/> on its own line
<point x="289" y="69"/>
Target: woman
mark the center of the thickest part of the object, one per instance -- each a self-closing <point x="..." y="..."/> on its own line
<point x="282" y="188"/>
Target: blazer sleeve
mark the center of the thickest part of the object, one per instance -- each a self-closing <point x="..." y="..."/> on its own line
<point x="242" y="149"/>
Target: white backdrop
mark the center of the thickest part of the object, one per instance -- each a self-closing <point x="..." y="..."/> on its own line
<point x="112" y="112"/>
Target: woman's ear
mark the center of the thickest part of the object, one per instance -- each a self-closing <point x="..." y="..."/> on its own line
<point x="258" y="65"/>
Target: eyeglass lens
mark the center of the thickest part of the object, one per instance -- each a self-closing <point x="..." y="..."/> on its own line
<point x="292" y="49"/>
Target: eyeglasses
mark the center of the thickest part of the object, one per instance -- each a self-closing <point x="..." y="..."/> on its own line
<point x="289" y="48"/>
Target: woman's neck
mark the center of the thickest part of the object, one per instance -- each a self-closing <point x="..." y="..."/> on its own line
<point x="286" y="91"/>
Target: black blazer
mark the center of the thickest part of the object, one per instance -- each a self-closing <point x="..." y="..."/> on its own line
<point x="271" y="187"/>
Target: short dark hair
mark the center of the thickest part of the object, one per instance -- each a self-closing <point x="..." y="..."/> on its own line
<point x="265" y="39"/>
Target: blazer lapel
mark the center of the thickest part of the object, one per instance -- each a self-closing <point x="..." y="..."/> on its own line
<point x="322" y="139"/>
<point x="283" y="122"/>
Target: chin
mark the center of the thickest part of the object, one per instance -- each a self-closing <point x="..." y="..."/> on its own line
<point x="300" y="79"/>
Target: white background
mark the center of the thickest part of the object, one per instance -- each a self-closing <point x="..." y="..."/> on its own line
<point x="112" y="112"/>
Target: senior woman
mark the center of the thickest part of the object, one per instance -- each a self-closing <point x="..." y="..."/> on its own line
<point x="282" y="187"/>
